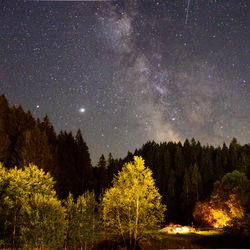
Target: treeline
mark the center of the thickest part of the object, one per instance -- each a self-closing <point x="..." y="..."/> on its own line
<point x="23" y="139"/>
<point x="184" y="173"/>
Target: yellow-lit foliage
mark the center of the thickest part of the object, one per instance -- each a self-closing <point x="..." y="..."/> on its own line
<point x="235" y="207"/>
<point x="226" y="206"/>
<point x="133" y="204"/>
<point x="81" y="220"/>
<point x="30" y="214"/>
<point x="219" y="218"/>
<point x="205" y="214"/>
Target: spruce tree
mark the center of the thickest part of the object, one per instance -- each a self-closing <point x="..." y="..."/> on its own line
<point x="196" y="180"/>
<point x="102" y="181"/>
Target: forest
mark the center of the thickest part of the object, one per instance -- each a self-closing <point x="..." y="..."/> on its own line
<point x="188" y="176"/>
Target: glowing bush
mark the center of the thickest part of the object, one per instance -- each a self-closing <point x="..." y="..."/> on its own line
<point x="226" y="206"/>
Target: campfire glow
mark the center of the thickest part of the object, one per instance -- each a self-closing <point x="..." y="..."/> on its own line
<point x="177" y="229"/>
<point x="180" y="229"/>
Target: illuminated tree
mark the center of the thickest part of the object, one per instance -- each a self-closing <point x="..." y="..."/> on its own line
<point x="205" y="214"/>
<point x="228" y="202"/>
<point x="30" y="213"/>
<point x="133" y="205"/>
<point x="82" y="221"/>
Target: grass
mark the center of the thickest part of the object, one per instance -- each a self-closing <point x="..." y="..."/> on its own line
<point x="199" y="239"/>
<point x="209" y="232"/>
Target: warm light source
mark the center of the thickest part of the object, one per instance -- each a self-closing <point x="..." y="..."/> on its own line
<point x="180" y="229"/>
<point x="216" y="226"/>
<point x="185" y="229"/>
<point x="172" y="228"/>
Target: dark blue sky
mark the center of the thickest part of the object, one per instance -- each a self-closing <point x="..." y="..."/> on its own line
<point x="137" y="68"/>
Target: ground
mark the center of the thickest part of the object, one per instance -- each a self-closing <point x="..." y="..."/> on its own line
<point x="199" y="239"/>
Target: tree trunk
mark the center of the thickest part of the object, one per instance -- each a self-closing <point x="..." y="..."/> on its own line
<point x="120" y="225"/>
<point x="136" y="221"/>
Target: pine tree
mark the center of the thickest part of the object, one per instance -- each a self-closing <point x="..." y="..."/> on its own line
<point x="4" y="107"/>
<point x="5" y="144"/>
<point x="196" y="180"/>
<point x="102" y="181"/>
<point x="66" y="172"/>
<point x="219" y="171"/>
<point x="47" y="127"/>
<point x="83" y="166"/>
<point x="233" y="154"/>
<point x="111" y="168"/>
<point x="171" y="196"/>
<point x="186" y="193"/>
<point x="35" y="149"/>
<point x="165" y="175"/>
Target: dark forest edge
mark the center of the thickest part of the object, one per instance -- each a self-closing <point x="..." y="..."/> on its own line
<point x="188" y="176"/>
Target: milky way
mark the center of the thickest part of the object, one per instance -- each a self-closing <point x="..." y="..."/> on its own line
<point x="131" y="71"/>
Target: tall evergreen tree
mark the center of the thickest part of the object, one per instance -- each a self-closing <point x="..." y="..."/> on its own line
<point x="83" y="164"/>
<point x="35" y="149"/>
<point x="46" y="126"/>
<point x="5" y="143"/>
<point x="186" y="194"/>
<point x="66" y="173"/>
<point x="171" y="196"/>
<point x="111" y="168"/>
<point x="219" y="171"/>
<point x="233" y="155"/>
<point x="196" y="180"/>
<point x="102" y="180"/>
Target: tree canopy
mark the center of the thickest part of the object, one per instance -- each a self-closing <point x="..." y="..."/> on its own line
<point x="133" y="204"/>
<point x="228" y="202"/>
<point x="30" y="213"/>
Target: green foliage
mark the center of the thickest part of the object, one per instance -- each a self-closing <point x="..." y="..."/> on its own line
<point x="82" y="220"/>
<point x="133" y="205"/>
<point x="30" y="214"/>
<point x="46" y="224"/>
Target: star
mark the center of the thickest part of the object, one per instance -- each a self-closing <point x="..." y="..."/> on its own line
<point x="82" y="110"/>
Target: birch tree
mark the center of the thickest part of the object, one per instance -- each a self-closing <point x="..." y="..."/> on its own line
<point x="133" y="205"/>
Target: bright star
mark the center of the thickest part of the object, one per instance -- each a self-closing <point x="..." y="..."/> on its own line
<point x="82" y="110"/>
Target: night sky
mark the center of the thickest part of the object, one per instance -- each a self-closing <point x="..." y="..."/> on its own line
<point x="126" y="72"/>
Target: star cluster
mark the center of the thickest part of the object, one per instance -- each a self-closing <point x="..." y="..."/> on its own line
<point x="125" y="72"/>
